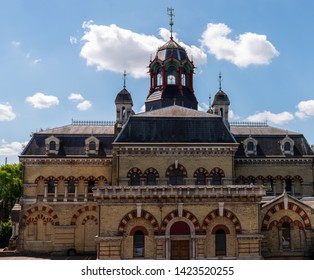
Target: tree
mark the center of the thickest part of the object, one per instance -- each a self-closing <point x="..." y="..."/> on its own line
<point x="312" y="146"/>
<point x="10" y="186"/>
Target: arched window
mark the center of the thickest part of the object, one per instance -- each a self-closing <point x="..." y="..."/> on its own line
<point x="288" y="185"/>
<point x="250" y="146"/>
<point x="51" y="186"/>
<point x="287" y="146"/>
<point x="183" y="79"/>
<point x="286" y="235"/>
<point x="159" y="79"/>
<point x="216" y="179"/>
<point x="176" y="177"/>
<point x="171" y="76"/>
<point x="52" y="146"/>
<point x="220" y="242"/>
<point x="92" y="146"/>
<point x="269" y="184"/>
<point x="135" y="179"/>
<point x="91" y="184"/>
<point x="221" y="112"/>
<point x="138" y="244"/>
<point x="71" y="186"/>
<point x="123" y="114"/>
<point x="201" y="178"/>
<point x="151" y="179"/>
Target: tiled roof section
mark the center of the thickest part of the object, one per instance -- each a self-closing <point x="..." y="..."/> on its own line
<point x="177" y="111"/>
<point x="175" y="129"/>
<point x="259" y="130"/>
<point x="80" y="129"/>
<point x="72" y="140"/>
<point x="269" y="139"/>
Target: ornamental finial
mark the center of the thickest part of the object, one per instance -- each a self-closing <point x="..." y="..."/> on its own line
<point x="170" y="12"/>
<point x="124" y="79"/>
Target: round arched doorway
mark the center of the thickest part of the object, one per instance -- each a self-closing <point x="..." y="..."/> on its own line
<point x="180" y="241"/>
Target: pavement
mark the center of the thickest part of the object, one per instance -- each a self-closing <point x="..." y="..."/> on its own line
<point x="14" y="255"/>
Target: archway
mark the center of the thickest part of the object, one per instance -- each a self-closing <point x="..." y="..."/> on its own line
<point x="180" y="241"/>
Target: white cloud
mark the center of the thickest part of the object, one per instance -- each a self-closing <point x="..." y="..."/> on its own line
<point x="233" y="116"/>
<point x="16" y="44"/>
<point x="280" y="118"/>
<point x="73" y="40"/>
<point x="248" y="48"/>
<point x="117" y="49"/>
<point x="306" y="109"/>
<point x="85" y="105"/>
<point x="41" y="101"/>
<point x="36" y="61"/>
<point x="75" y="97"/>
<point x="11" y="149"/>
<point x="6" y="112"/>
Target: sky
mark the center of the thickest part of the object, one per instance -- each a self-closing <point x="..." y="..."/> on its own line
<point x="64" y="60"/>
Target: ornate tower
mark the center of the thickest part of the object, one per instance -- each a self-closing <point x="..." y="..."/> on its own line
<point x="171" y="77"/>
<point x="124" y="104"/>
<point x="221" y="103"/>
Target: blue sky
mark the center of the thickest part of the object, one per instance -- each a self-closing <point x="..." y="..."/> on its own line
<point x="62" y="60"/>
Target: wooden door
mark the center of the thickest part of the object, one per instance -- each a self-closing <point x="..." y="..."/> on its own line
<point x="180" y="249"/>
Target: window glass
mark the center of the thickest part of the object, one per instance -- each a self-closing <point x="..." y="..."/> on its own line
<point x="201" y="178"/>
<point x="71" y="186"/>
<point x="220" y="242"/>
<point x="91" y="184"/>
<point x="151" y="179"/>
<point x="52" y="146"/>
<point x="135" y="179"/>
<point x="51" y="186"/>
<point x="216" y="180"/>
<point x="138" y="244"/>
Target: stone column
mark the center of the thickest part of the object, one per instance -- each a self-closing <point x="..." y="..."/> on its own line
<point x="45" y="193"/>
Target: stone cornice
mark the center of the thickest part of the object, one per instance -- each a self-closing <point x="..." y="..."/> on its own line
<point x="29" y="161"/>
<point x="274" y="161"/>
<point x="167" y="193"/>
<point x="169" y="150"/>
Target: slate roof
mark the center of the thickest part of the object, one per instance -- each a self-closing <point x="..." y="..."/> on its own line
<point x="72" y="140"/>
<point x="268" y="139"/>
<point x="175" y="124"/>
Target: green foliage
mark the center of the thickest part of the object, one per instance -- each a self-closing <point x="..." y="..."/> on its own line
<point x="312" y="146"/>
<point x="10" y="186"/>
<point x="5" y="233"/>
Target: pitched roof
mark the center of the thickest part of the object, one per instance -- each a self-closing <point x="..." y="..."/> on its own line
<point x="72" y="140"/>
<point x="175" y="124"/>
<point x="268" y="139"/>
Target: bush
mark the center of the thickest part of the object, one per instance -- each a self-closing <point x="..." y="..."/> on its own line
<point x="5" y="233"/>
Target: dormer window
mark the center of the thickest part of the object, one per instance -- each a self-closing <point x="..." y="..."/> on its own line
<point x="250" y="146"/>
<point x="92" y="145"/>
<point x="287" y="146"/>
<point x="52" y="145"/>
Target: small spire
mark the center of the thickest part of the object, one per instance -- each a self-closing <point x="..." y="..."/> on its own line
<point x="124" y="79"/>
<point x="220" y="80"/>
<point x="171" y="15"/>
<point x="210" y="101"/>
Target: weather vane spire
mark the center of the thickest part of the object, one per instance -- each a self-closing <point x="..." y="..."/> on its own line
<point x="220" y="80"/>
<point x="170" y="12"/>
<point x="124" y="79"/>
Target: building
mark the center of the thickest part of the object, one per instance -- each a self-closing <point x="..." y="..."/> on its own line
<point x="169" y="183"/>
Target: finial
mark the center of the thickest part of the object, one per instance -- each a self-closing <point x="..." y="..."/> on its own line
<point x="171" y="15"/>
<point x="220" y="80"/>
<point x="209" y="101"/>
<point x="124" y="79"/>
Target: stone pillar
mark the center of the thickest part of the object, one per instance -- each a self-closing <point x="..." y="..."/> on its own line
<point x="45" y="193"/>
<point x="65" y="194"/>
<point x="75" y="193"/>
<point x="56" y="193"/>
